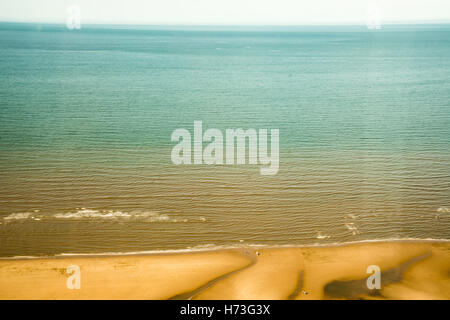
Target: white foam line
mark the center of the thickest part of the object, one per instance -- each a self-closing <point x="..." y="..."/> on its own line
<point x="215" y="248"/>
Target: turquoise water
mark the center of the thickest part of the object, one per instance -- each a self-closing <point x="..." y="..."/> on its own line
<point x="86" y="118"/>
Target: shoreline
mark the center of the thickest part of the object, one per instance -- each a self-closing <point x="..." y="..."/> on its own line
<point x="219" y="248"/>
<point x="409" y="269"/>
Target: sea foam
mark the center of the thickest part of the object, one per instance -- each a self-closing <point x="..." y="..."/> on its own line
<point x="92" y="214"/>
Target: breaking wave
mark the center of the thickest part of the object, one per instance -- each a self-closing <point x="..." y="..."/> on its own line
<point x="84" y="214"/>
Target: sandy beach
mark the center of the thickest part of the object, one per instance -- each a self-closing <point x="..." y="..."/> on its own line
<point x="409" y="270"/>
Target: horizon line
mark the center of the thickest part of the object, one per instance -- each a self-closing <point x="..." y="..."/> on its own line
<point x="160" y="24"/>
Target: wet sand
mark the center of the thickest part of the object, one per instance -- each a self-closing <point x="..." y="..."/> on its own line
<point x="409" y="270"/>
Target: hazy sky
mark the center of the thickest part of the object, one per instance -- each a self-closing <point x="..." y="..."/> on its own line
<point x="225" y="11"/>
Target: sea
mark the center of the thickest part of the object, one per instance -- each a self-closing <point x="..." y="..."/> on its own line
<point x="86" y="118"/>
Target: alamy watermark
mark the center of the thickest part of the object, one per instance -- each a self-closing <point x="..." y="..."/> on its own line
<point x="74" y="280"/>
<point x="74" y="17"/>
<point x="373" y="19"/>
<point x="374" y="280"/>
<point x="235" y="139"/>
